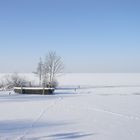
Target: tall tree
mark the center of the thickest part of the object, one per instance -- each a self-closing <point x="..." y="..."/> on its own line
<point x="40" y="70"/>
<point x="53" y="65"/>
<point x="49" y="69"/>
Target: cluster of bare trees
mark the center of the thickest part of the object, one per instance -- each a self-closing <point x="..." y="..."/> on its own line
<point x="12" y="80"/>
<point x="15" y="81"/>
<point x="48" y="69"/>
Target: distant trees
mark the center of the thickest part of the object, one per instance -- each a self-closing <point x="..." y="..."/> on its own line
<point x="48" y="70"/>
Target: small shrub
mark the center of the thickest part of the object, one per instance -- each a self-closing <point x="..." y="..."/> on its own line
<point x="14" y="80"/>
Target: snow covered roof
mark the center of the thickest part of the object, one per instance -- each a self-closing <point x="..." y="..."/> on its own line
<point x="33" y="88"/>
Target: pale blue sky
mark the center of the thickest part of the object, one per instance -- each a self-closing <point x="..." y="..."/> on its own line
<point x="90" y="35"/>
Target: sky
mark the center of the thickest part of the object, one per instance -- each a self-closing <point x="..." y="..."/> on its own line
<point x="101" y="36"/>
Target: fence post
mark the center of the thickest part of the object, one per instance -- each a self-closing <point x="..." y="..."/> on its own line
<point x="21" y="90"/>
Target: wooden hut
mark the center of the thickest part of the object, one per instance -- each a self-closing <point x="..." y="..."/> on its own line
<point x="33" y="90"/>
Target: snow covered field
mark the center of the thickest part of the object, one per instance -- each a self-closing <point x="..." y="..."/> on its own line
<point x="103" y="107"/>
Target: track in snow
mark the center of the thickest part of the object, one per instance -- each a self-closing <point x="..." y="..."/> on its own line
<point x="38" y="118"/>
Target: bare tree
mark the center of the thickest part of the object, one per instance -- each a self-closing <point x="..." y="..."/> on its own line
<point x="49" y="69"/>
<point x="53" y="66"/>
<point x="14" y="80"/>
<point x="40" y="71"/>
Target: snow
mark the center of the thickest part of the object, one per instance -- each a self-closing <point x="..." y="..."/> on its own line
<point x="86" y="107"/>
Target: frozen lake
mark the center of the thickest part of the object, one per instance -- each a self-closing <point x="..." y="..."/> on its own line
<point x="103" y="107"/>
